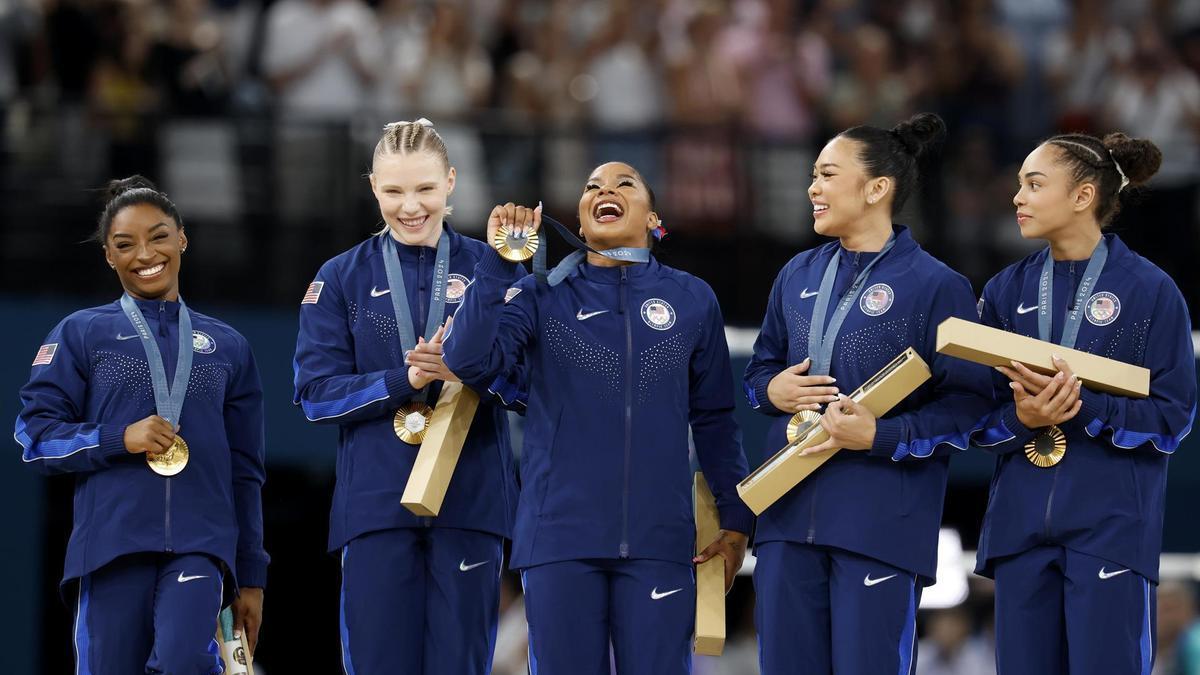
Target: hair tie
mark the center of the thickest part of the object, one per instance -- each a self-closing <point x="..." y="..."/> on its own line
<point x="1124" y="178"/>
<point x="396" y="125"/>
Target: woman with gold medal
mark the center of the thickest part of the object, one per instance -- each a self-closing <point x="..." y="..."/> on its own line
<point x="1073" y="529"/>
<point x="165" y="529"/>
<point x="419" y="594"/>
<point x="625" y="355"/>
<point x="843" y="556"/>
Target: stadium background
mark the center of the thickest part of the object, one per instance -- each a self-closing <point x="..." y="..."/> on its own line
<point x="258" y="118"/>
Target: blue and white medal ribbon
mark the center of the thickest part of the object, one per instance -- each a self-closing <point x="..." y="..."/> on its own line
<point x="168" y="398"/>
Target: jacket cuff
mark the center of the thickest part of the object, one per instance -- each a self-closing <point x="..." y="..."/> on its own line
<point x="759" y="399"/>
<point x="737" y="518"/>
<point x="494" y="266"/>
<point x="398" y="386"/>
<point x="888" y="434"/>
<point x="112" y="441"/>
<point x="251" y="572"/>
<point x="1093" y="408"/>
<point x="1021" y="433"/>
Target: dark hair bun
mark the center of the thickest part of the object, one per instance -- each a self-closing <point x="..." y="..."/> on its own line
<point x="120" y="186"/>
<point x="921" y="133"/>
<point x="1139" y="158"/>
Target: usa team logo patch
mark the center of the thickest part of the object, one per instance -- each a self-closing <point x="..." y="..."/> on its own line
<point x="1103" y="308"/>
<point x="456" y="287"/>
<point x="877" y="299"/>
<point x="658" y="314"/>
<point x="45" y="354"/>
<point x="512" y="293"/>
<point x="313" y="294"/>
<point x="202" y="343"/>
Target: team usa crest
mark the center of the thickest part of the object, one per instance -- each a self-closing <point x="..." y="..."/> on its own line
<point x="456" y="287"/>
<point x="658" y="314"/>
<point x="1103" y="308"/>
<point x="877" y="299"/>
<point x="202" y="343"/>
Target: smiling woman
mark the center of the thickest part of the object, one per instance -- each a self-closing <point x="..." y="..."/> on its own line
<point x="836" y="315"/>
<point x="143" y="239"/>
<point x="100" y="403"/>
<point x="625" y="356"/>
<point x="368" y="359"/>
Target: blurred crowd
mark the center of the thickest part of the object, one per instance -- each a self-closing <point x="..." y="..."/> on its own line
<point x="720" y="103"/>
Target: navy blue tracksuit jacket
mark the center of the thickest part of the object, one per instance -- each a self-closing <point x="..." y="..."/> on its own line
<point x="1106" y="497"/>
<point x="621" y="361"/>
<point x="92" y="381"/>
<point x="885" y="503"/>
<point x="350" y="372"/>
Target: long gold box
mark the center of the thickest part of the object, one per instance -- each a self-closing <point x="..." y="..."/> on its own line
<point x="994" y="347"/>
<point x="710" y="575"/>
<point x="435" y="462"/>
<point x="787" y="468"/>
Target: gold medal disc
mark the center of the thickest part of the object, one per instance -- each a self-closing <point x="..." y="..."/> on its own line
<point x="1047" y="448"/>
<point x="513" y="248"/>
<point x="171" y="461"/>
<point x="412" y="421"/>
<point x="801" y="423"/>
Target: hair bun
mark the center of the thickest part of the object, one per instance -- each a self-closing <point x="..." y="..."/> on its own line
<point x="1138" y="158"/>
<point x="920" y="134"/>
<point x="120" y="186"/>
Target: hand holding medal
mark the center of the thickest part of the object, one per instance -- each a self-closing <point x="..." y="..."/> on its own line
<point x="1043" y="403"/>
<point x="513" y="231"/>
<point x="168" y="397"/>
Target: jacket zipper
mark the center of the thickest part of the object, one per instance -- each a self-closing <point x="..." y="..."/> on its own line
<point x="1050" y="501"/>
<point x="162" y="330"/>
<point x="621" y="309"/>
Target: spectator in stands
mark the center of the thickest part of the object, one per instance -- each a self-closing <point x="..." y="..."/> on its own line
<point x="1178" y="650"/>
<point x="321" y="56"/>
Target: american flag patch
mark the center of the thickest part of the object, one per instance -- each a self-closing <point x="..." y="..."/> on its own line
<point x="313" y="293"/>
<point x="45" y="354"/>
<point x="512" y="293"/>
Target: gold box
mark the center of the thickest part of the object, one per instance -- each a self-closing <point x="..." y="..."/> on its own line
<point x="787" y="468"/>
<point x="994" y="347"/>
<point x="434" y="466"/>
<point x="710" y="575"/>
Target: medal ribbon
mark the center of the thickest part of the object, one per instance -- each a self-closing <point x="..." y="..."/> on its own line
<point x="821" y="340"/>
<point x="1046" y="296"/>
<point x="168" y="399"/>
<point x="634" y="254"/>
<point x="437" y="302"/>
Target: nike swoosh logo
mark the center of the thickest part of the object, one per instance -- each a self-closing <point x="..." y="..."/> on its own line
<point x="183" y="580"/>
<point x="1109" y="575"/>
<point x="375" y="292"/>
<point x="1022" y="309"/>
<point x="804" y="294"/>
<point x="464" y="567"/>
<point x="655" y="595"/>
<point x="584" y="317"/>
<point x="126" y="337"/>
<point x="868" y="581"/>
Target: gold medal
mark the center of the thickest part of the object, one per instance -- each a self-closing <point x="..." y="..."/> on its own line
<point x="1047" y="448"/>
<point x="801" y="423"/>
<point x="411" y="422"/>
<point x="171" y="461"/>
<point x="513" y="248"/>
